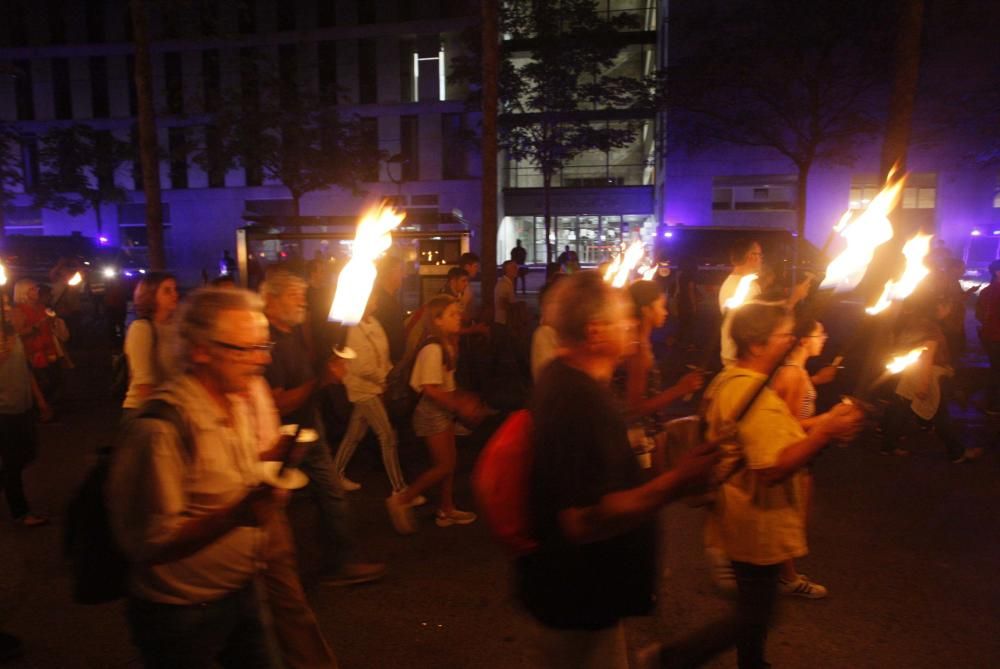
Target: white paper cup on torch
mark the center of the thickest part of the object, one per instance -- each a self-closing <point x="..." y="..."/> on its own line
<point x="283" y="474"/>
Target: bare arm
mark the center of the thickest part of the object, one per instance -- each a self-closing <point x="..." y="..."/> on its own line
<point x="292" y="399"/>
<point x="790" y="386"/>
<point x="842" y="421"/>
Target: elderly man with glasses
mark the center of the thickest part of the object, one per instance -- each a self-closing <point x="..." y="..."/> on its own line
<point x="186" y="501"/>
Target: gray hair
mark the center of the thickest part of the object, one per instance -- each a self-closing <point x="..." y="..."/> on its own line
<point x="754" y="324"/>
<point x="199" y="314"/>
<point x="578" y="300"/>
<point x="21" y="289"/>
<point x="277" y="281"/>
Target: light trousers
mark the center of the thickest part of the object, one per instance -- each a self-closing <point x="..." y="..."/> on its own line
<point x="365" y="414"/>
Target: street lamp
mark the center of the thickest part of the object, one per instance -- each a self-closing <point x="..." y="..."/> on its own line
<point x="400" y="160"/>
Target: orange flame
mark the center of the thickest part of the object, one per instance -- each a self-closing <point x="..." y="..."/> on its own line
<point x="354" y="285"/>
<point x="3" y="276"/>
<point x="741" y="292"/>
<point x="621" y="266"/>
<point x="75" y="280"/>
<point x="915" y="250"/>
<point x="863" y="234"/>
<point x="901" y="362"/>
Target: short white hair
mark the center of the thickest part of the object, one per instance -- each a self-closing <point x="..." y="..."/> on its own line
<point x="199" y="316"/>
<point x="278" y="281"/>
<point x="577" y="301"/>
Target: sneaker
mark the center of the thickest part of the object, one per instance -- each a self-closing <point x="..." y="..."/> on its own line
<point x="969" y="455"/>
<point x="454" y="517"/>
<point x="801" y="586"/>
<point x="33" y="520"/>
<point x="401" y="515"/>
<point x="899" y="452"/>
<point x="419" y="500"/>
<point x="355" y="573"/>
<point x="349" y="485"/>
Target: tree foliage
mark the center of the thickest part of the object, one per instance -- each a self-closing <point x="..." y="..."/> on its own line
<point x="10" y="168"/>
<point x="78" y="165"/>
<point x="296" y="138"/>
<point x="803" y="79"/>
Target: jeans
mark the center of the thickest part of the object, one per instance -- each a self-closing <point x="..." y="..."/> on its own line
<point x="993" y="385"/>
<point x="324" y="486"/>
<point x="758" y="591"/>
<point x="196" y="636"/>
<point x="899" y="413"/>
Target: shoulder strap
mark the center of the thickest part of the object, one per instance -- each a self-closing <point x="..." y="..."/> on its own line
<point x="162" y="410"/>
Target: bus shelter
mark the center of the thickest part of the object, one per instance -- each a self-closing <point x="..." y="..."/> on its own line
<point x="428" y="248"/>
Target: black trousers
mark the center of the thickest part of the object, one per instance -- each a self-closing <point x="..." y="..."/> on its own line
<point x="18" y="446"/>
<point x="758" y="593"/>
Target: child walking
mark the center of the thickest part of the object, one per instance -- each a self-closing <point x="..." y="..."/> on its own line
<point x="433" y="377"/>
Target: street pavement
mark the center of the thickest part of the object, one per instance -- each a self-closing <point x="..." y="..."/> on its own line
<point x="907" y="546"/>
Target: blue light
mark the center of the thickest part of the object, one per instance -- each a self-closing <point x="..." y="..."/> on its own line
<point x="976" y="233"/>
<point x="996" y="232"/>
<point x="103" y="240"/>
<point x="668" y="234"/>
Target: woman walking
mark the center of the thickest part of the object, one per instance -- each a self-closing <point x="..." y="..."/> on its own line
<point x="433" y="377"/>
<point x="20" y="402"/>
<point x="147" y="342"/>
<point x="366" y="383"/>
<point x="758" y="515"/>
<point x="36" y="325"/>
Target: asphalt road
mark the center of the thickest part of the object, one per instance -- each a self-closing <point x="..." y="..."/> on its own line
<point x="907" y="546"/>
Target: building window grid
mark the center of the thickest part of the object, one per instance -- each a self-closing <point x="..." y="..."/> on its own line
<point x="409" y="141"/>
<point x="367" y="72"/>
<point x="62" y="96"/>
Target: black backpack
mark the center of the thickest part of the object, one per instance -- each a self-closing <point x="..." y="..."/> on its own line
<point x="99" y="567"/>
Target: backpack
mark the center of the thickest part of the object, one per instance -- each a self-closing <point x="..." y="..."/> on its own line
<point x="99" y="568"/>
<point x="501" y="481"/>
<point x="400" y="397"/>
<point x="121" y="376"/>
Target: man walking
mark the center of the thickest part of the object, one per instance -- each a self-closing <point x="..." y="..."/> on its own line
<point x="294" y="383"/>
<point x="188" y="509"/>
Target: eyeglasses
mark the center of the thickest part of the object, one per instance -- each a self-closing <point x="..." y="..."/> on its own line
<point x="246" y="350"/>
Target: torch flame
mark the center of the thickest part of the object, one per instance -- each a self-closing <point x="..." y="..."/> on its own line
<point x="741" y="293"/>
<point x="648" y="273"/>
<point x="354" y="286"/>
<point x="915" y="251"/>
<point x="901" y="362"/>
<point x="75" y="280"/>
<point x="621" y="266"/>
<point x="863" y="234"/>
<point x="3" y="276"/>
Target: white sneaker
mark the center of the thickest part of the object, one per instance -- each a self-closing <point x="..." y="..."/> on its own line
<point x="454" y="517"/>
<point x="801" y="586"/>
<point x="349" y="485"/>
<point x="419" y="500"/>
<point x="401" y="515"/>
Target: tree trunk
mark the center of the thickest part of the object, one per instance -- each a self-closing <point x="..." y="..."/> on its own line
<point x="488" y="228"/>
<point x="97" y="215"/>
<point x="801" y="191"/>
<point x="147" y="137"/>
<point x="296" y="197"/>
<point x="546" y="195"/>
<point x="904" y="86"/>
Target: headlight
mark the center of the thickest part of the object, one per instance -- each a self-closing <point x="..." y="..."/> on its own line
<point x="109" y="272"/>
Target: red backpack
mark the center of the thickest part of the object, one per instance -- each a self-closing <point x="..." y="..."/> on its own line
<point x="501" y="480"/>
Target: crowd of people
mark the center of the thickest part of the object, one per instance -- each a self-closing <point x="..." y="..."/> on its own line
<point x="228" y="389"/>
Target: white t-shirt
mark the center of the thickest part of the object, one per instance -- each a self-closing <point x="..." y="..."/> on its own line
<point x="429" y="370"/>
<point x="140" y="348"/>
<point x="503" y="297"/>
<point x="726" y="291"/>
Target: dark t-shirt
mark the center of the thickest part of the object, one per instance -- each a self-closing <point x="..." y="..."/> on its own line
<point x="581" y="454"/>
<point x="519" y="254"/>
<point x="290" y="368"/>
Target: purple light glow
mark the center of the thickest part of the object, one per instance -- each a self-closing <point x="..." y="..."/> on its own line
<point x="976" y="233"/>
<point x="103" y="240"/>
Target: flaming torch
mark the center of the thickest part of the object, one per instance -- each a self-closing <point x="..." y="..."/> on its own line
<point x="75" y="279"/>
<point x="3" y="302"/>
<point x="621" y="267"/>
<point x="741" y="293"/>
<point x="915" y="250"/>
<point x="354" y="286"/>
<point x="862" y="234"/>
